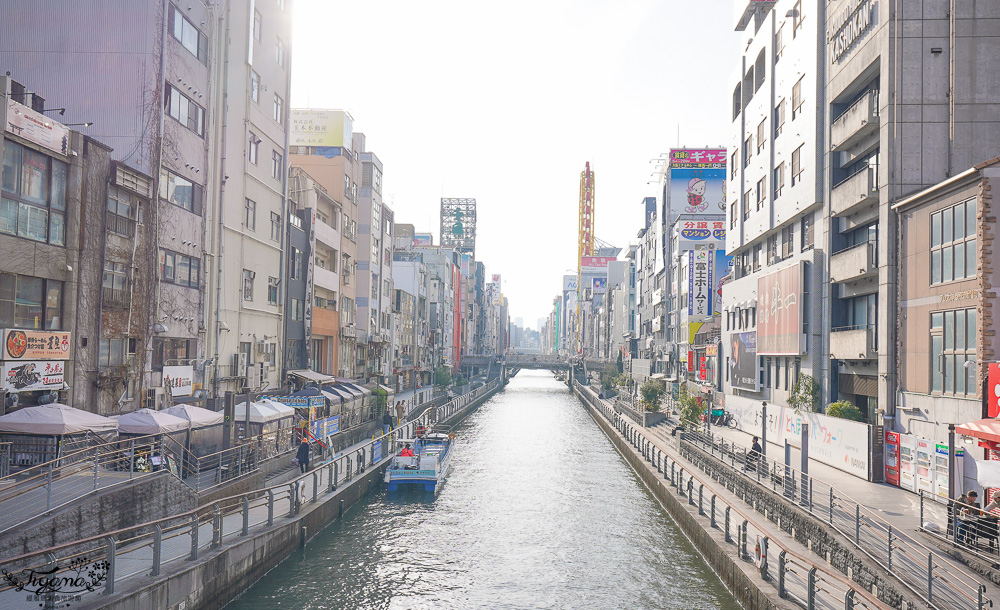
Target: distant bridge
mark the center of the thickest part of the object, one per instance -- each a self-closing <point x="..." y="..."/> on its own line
<point x="528" y="361"/>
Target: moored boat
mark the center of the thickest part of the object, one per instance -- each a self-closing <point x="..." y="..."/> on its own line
<point x="426" y="468"/>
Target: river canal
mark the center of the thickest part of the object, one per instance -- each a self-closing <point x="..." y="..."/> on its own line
<point x="539" y="511"/>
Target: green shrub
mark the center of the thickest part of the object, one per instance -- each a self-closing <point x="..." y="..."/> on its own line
<point x="652" y="393"/>
<point x="689" y="409"/>
<point x="845" y="410"/>
<point x="805" y="394"/>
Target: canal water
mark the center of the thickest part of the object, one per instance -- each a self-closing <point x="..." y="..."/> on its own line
<point x="539" y="511"/>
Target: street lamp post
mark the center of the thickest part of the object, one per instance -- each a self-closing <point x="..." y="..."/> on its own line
<point x="763" y="432"/>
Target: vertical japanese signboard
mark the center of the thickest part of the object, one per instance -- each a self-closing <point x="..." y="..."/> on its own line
<point x="700" y="284"/>
<point x="779" y="312"/>
<point x="743" y="361"/>
<point x="697" y="182"/>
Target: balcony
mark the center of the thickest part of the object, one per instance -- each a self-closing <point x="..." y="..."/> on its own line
<point x="120" y="225"/>
<point x="324" y="278"/>
<point x="115" y="298"/>
<point x="857" y="122"/>
<point x="854" y="263"/>
<point x="858" y="190"/>
<point x="327" y="235"/>
<point x="853" y="342"/>
<point x="348" y="332"/>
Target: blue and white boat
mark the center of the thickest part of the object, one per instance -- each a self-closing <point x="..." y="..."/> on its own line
<point x="428" y="466"/>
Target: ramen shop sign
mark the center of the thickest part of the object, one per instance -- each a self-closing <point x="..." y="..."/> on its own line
<point x="849" y="25"/>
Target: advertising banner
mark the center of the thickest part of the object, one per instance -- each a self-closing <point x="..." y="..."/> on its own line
<point x="993" y="391"/>
<point x="700" y="284"/>
<point x="311" y="127"/>
<point x="35" y="345"/>
<point x="743" y="368"/>
<point x="37" y="127"/>
<point x="595" y="264"/>
<point x="600" y="285"/>
<point x="423" y="239"/>
<point x="34" y="375"/>
<point x="833" y="441"/>
<point x="723" y="267"/>
<point x="697" y="182"/>
<point x="496" y="277"/>
<point x="570" y="283"/>
<point x="180" y="380"/>
<point x="694" y="233"/>
<point x="779" y="320"/>
<point x="377" y="451"/>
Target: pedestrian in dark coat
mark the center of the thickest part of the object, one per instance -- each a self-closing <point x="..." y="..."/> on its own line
<point x="303" y="456"/>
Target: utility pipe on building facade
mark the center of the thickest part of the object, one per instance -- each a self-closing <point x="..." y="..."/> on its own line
<point x="222" y="191"/>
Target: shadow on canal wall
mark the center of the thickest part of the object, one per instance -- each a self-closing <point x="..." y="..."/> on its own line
<point x="742" y="580"/>
<point x="220" y="576"/>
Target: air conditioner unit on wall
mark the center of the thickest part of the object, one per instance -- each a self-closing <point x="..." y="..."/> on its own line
<point x="255" y="373"/>
<point x="239" y="365"/>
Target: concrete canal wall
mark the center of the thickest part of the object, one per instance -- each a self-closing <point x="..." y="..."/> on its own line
<point x="221" y="575"/>
<point x="740" y="577"/>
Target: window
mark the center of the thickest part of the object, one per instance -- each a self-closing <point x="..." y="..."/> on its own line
<point x="172" y="351"/>
<point x="277" y="167"/>
<point x="779" y="43"/>
<point x="181" y="191"/>
<point x="187" y="34"/>
<point x="797" y="100"/>
<point x="33" y="204"/>
<point x="761" y="192"/>
<point x="796" y="17"/>
<point x="953" y="243"/>
<point x="758" y="256"/>
<point x="179" y="269"/>
<point x="761" y="135"/>
<point x="272" y="291"/>
<point x="250" y="214"/>
<point x="787" y="241"/>
<point x="759" y="71"/>
<point x="808" y="233"/>
<point x="182" y="108"/>
<point x="778" y="179"/>
<point x="732" y="163"/>
<point x="115" y="352"/>
<point x="953" y="343"/>
<point x="779" y="118"/>
<point x="253" y="148"/>
<point x="296" y="310"/>
<point x="257" y="21"/>
<point x="255" y="86"/>
<point x="279" y="108"/>
<point x="732" y="215"/>
<point x="737" y="101"/>
<point x="746" y="204"/>
<point x="115" y="281"/>
<point x="248" y="277"/>
<point x="747" y="151"/>
<point x="279" y="53"/>
<point x="297" y="261"/>
<point x="797" y="164"/>
<point x="30" y="302"/>
<point x="275" y="226"/>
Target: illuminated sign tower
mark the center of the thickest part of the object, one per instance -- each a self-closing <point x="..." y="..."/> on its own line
<point x="458" y="224"/>
<point x="586" y="242"/>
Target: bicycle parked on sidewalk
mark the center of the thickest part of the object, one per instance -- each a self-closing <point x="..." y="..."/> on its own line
<point x="721" y="417"/>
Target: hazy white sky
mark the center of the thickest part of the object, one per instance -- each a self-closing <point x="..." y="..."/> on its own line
<point x="505" y="102"/>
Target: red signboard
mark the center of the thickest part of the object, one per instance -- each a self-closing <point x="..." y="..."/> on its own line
<point x="690" y="361"/>
<point x="703" y="369"/>
<point x="993" y="391"/>
<point x="779" y="312"/>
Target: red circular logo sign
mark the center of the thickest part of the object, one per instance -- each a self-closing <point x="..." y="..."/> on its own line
<point x="17" y="343"/>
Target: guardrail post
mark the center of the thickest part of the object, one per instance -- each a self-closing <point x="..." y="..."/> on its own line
<point x="97" y="461"/>
<point x="763" y="558"/>
<point x="849" y="600"/>
<point x="109" y="589"/>
<point x="332" y="467"/>
<point x="270" y="507"/>
<point x="216" y="527"/>
<point x="672" y="467"/>
<point x="293" y="498"/>
<point x="922" y="511"/>
<point x="857" y="524"/>
<point x="315" y="485"/>
<point x="701" y="494"/>
<point x="691" y="490"/>
<point x="982" y="601"/>
<point x="131" y="459"/>
<point x="890" y="546"/>
<point x="48" y="490"/>
<point x="831" y="506"/>
<point x="713" y="511"/>
<point x="743" y="540"/>
<point x="246" y="517"/>
<point x="811" y="592"/>
<point x="930" y="574"/>
<point x="157" y="550"/>
<point x="347" y="472"/>
<point x="781" y="573"/>
<point x="727" y="524"/>
<point x="194" y="537"/>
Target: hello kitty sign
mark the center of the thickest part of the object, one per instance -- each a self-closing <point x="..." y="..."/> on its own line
<point x="697" y="182"/>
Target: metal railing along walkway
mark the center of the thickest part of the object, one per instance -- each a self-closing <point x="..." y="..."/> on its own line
<point x="794" y="576"/>
<point x="146" y="549"/>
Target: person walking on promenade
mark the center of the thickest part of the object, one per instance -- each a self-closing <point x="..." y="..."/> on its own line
<point x="400" y="412"/>
<point x="303" y="456"/>
<point x="754" y="456"/>
<point x="386" y="422"/>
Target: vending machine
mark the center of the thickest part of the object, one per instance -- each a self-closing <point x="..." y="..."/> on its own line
<point x="907" y="462"/>
<point x="942" y="471"/>
<point x="925" y="465"/>
<point x="892" y="458"/>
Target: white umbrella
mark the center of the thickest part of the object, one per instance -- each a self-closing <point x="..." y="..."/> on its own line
<point x="198" y="416"/>
<point x="54" y="419"/>
<point x="148" y="421"/>
<point x="260" y="412"/>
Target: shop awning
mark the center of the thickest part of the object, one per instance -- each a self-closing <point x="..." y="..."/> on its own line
<point x="656" y="376"/>
<point x="312" y="376"/>
<point x="357" y="389"/>
<point x="984" y="429"/>
<point x="386" y="389"/>
<point x="336" y="395"/>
